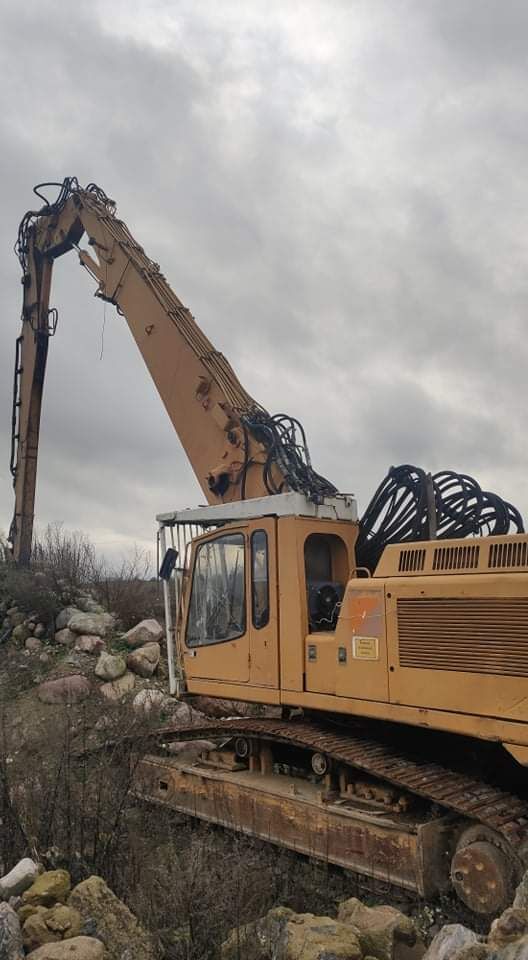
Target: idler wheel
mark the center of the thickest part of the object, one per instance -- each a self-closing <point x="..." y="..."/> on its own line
<point x="482" y="876"/>
<point x="242" y="748"/>
<point x="319" y="764"/>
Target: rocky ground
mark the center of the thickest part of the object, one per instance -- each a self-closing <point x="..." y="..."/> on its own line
<point x="43" y="917"/>
<point x="70" y="674"/>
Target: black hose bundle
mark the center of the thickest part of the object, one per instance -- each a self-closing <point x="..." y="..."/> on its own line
<point x="286" y="446"/>
<point x="409" y="502"/>
<point x="68" y="186"/>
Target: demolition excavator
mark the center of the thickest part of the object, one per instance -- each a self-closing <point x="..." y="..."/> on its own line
<point x="387" y="657"/>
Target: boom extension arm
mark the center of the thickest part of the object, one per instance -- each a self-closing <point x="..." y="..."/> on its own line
<point x="235" y="448"/>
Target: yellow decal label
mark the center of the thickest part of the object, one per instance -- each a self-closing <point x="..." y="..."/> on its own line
<point x="365" y="648"/>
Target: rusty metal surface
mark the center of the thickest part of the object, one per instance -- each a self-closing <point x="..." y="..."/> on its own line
<point x="481" y="877"/>
<point x="465" y="795"/>
<point x="395" y="849"/>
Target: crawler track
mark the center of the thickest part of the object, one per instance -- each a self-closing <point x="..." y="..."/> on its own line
<point x="467" y="796"/>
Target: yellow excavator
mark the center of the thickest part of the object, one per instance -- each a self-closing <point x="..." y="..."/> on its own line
<point x="388" y="656"/>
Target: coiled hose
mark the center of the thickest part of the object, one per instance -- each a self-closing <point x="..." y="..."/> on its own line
<point x="408" y="499"/>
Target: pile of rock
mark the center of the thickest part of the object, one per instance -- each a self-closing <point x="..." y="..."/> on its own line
<point x="119" y="670"/>
<point x="122" y="659"/>
<point x="358" y="933"/>
<point x="376" y="933"/>
<point x="42" y="917"/>
<point x="26" y="630"/>
<point x="507" y="938"/>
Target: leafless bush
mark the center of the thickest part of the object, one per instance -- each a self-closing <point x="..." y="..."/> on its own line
<point x="61" y="792"/>
<point x="5" y="552"/>
<point x="128" y="590"/>
<point x="189" y="883"/>
<point x="67" y="558"/>
<point x="65" y="564"/>
<point x="31" y="595"/>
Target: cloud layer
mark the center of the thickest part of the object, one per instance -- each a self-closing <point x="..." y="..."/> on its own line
<point x="337" y="189"/>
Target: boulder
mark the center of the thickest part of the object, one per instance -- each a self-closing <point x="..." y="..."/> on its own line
<point x="521" y="894"/>
<point x="65" y="637"/>
<point x="64" y="920"/>
<point x="144" y="660"/>
<point x="18" y="879"/>
<point x="217" y="707"/>
<point x="96" y="624"/>
<point x="285" y="935"/>
<point x="449" y="942"/>
<point x="147" y="700"/>
<point x="39" y="630"/>
<point x="510" y="926"/>
<point x="380" y="928"/>
<point x="514" y="951"/>
<point x="11" y="946"/>
<point x="184" y="714"/>
<point x="148" y="631"/>
<point x="50" y="887"/>
<point x="118" y="688"/>
<point x="16" y="619"/>
<point x="65" y="689"/>
<point x="478" y="951"/>
<point x="110" y="666"/>
<point x="27" y="910"/>
<point x="89" y="644"/>
<point x="116" y="925"/>
<point x="35" y="932"/>
<point x="78" y="948"/>
<point x="64" y="617"/>
<point x="89" y="605"/>
<point x="33" y="644"/>
<point x="20" y="633"/>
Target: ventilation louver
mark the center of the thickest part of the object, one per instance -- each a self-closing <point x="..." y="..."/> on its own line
<point x="411" y="561"/>
<point x="485" y="635"/>
<point x="508" y="554"/>
<point x="456" y="558"/>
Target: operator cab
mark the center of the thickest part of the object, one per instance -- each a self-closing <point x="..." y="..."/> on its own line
<point x="241" y="629"/>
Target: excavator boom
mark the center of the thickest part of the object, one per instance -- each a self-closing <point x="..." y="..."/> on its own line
<point x="236" y="449"/>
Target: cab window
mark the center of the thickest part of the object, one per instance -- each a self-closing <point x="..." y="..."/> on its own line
<point x="259" y="579"/>
<point x="217" y="610"/>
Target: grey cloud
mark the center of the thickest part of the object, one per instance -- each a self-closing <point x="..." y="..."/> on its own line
<point x="338" y="193"/>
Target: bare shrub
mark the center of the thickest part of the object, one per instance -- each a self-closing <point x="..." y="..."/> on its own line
<point x="128" y="591"/>
<point x="5" y="551"/>
<point x="68" y="559"/>
<point x="32" y="595"/>
<point x="65" y="794"/>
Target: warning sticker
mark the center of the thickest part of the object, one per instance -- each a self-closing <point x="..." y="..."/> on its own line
<point x="365" y="648"/>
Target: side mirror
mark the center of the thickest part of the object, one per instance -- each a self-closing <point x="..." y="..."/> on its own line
<point x="168" y="563"/>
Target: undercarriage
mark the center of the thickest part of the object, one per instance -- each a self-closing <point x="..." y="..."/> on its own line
<point x="344" y="796"/>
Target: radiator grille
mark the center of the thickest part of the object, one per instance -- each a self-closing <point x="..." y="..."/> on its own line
<point x="508" y="554"/>
<point x="411" y="561"/>
<point x="456" y="558"/>
<point x="470" y="635"/>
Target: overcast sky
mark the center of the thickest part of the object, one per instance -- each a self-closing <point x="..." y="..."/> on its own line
<point x="338" y="190"/>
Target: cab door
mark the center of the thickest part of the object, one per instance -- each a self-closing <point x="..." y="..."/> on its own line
<point x="217" y="630"/>
<point x="263" y="604"/>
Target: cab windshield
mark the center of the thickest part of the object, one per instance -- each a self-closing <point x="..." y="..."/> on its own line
<point x="217" y="610"/>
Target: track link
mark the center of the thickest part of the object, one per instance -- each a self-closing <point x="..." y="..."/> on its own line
<point x="465" y="795"/>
